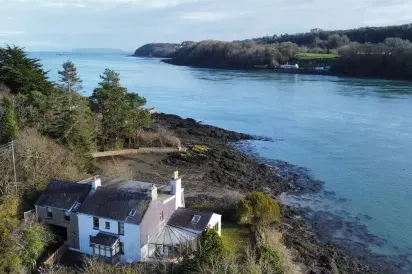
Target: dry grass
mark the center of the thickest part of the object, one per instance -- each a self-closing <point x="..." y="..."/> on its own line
<point x="274" y="240"/>
<point x="159" y="138"/>
<point x="116" y="168"/>
<point x="39" y="159"/>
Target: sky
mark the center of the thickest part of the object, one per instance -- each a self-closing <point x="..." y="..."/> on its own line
<point x="128" y="24"/>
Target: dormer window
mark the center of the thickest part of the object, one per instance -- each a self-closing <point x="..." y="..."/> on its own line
<point x="76" y="207"/>
<point x="196" y="219"/>
<point x="132" y="212"/>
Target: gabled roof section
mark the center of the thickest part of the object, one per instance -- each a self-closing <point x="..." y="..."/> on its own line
<point x="63" y="194"/>
<point x="116" y="204"/>
<point x="190" y="219"/>
<point x="104" y="239"/>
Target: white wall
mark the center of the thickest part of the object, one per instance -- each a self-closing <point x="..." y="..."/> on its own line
<point x="114" y="226"/>
<point x="216" y="219"/>
<point x="85" y="231"/>
<point x="130" y="239"/>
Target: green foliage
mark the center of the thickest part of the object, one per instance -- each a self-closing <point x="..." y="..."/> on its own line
<point x="69" y="79"/>
<point x="35" y="238"/>
<point x="9" y="206"/>
<point x="271" y="260"/>
<point x="258" y="208"/>
<point x="209" y="243"/>
<point x="122" y="118"/>
<point x="8" y="121"/>
<point x="236" y="54"/>
<point x="309" y="56"/>
<point x="234" y="237"/>
<point x="200" y="148"/>
<point x="21" y="73"/>
<point x="390" y="59"/>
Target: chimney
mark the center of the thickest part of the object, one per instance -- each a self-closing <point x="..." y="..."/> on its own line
<point x="96" y="182"/>
<point x="176" y="184"/>
<point x="153" y="192"/>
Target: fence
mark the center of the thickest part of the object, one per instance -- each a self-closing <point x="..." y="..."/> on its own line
<point x="56" y="255"/>
<point x="142" y="150"/>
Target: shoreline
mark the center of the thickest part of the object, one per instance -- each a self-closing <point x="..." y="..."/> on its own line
<point x="230" y="169"/>
<point x="274" y="70"/>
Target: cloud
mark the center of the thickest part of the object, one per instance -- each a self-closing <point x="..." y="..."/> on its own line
<point x="127" y="24"/>
<point x="210" y="16"/>
<point x="6" y="33"/>
<point x="95" y="4"/>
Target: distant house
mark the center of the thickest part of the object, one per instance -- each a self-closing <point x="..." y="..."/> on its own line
<point x="324" y="68"/>
<point x="124" y="220"/>
<point x="287" y="66"/>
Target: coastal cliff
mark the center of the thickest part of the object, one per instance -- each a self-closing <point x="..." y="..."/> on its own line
<point x="161" y="50"/>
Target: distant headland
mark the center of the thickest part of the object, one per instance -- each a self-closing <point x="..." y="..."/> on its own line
<point x="379" y="52"/>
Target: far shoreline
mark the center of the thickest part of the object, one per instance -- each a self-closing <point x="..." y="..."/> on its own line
<point x="274" y="70"/>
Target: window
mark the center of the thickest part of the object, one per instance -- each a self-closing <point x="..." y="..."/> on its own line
<point x="196" y="219"/>
<point x="102" y="250"/>
<point x="132" y="212"/>
<point x="107" y="225"/>
<point x="121" y="228"/>
<point x="76" y="207"/>
<point x="121" y="248"/>
<point x="49" y="213"/>
<point x="216" y="227"/>
<point x="95" y="223"/>
<point x="162" y="217"/>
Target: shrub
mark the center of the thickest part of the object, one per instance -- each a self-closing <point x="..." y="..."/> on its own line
<point x="200" y="148"/>
<point x="260" y="209"/>
<point x="158" y="138"/>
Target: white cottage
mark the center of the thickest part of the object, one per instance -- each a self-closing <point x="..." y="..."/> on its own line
<point x="124" y="220"/>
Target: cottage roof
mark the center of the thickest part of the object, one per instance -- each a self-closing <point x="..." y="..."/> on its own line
<point x="190" y="219"/>
<point x="63" y="194"/>
<point x="104" y="239"/>
<point x="116" y="204"/>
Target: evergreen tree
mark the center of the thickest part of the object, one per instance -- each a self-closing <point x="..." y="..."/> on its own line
<point x="8" y="121"/>
<point x="121" y="116"/>
<point x="69" y="79"/>
<point x="21" y="73"/>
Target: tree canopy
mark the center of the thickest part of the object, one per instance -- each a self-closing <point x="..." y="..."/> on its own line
<point x="258" y="208"/>
<point x="20" y="73"/>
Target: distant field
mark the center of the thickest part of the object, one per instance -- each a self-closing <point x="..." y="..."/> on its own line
<point x="234" y="237"/>
<point x="317" y="56"/>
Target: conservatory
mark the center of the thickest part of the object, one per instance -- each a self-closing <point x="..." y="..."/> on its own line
<point x="172" y="243"/>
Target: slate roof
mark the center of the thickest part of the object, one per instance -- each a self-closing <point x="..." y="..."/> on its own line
<point x="104" y="239"/>
<point x="182" y="217"/>
<point x="116" y="205"/>
<point x="63" y="194"/>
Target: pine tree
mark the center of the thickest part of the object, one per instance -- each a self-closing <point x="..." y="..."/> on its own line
<point x="69" y="78"/>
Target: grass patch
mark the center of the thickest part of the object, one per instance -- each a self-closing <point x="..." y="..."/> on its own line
<point x="307" y="56"/>
<point x="234" y="237"/>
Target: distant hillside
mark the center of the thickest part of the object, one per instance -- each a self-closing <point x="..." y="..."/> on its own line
<point x="98" y="50"/>
<point x="361" y="35"/>
<point x="163" y="50"/>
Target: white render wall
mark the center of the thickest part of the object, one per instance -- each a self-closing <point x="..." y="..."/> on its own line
<point x="114" y="226"/>
<point x="130" y="239"/>
<point x="85" y="231"/>
<point x="216" y="219"/>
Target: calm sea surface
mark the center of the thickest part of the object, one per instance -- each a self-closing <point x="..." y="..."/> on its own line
<point x="353" y="134"/>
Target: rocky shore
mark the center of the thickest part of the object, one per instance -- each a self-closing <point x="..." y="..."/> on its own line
<point x="220" y="167"/>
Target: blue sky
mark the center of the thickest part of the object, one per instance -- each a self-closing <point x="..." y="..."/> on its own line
<point x="128" y="24"/>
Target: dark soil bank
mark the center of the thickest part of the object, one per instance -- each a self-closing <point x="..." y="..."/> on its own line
<point x="225" y="172"/>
